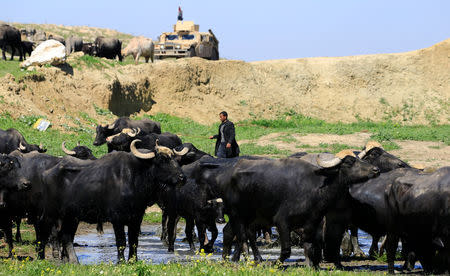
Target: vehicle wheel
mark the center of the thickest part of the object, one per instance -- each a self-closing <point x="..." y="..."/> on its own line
<point x="215" y="55"/>
<point x="191" y="52"/>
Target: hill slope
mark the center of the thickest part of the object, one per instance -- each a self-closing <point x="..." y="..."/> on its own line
<point x="412" y="87"/>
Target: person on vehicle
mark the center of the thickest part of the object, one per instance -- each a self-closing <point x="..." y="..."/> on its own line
<point x="180" y="14"/>
<point x="226" y="145"/>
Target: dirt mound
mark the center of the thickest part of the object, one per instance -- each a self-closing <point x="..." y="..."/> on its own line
<point x="410" y="87"/>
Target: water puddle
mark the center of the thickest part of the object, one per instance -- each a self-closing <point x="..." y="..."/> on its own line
<point x="93" y="248"/>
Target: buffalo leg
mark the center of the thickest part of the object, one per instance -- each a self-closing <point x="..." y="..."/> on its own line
<point x="354" y="239"/>
<point x="68" y="230"/>
<point x="188" y="231"/>
<point x="214" y="234"/>
<point x="374" y="247"/>
<point x="201" y="231"/>
<point x="164" y="227"/>
<point x="391" y="249"/>
<point x="18" y="235"/>
<point x="228" y="236"/>
<point x="119" y="232"/>
<point x="133" y="238"/>
<point x="251" y="233"/>
<point x="239" y="230"/>
<point x="285" y="241"/>
<point x="333" y="239"/>
<point x="346" y="245"/>
<point x="171" y="231"/>
<point x="6" y="225"/>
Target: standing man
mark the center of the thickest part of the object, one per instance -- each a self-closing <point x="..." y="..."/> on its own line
<point x="180" y="14"/>
<point x="226" y="146"/>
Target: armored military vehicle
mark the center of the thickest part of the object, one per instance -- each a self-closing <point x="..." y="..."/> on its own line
<point x="187" y="41"/>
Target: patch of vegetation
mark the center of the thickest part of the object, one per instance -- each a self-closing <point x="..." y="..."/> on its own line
<point x="383" y="131"/>
<point x="287" y="138"/>
<point x="52" y="138"/>
<point x="13" y="67"/>
<point x="102" y="112"/>
<point x="200" y="264"/>
<point x="152" y="217"/>
<point x="254" y="149"/>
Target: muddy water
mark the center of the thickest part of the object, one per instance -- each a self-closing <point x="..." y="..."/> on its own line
<point x="93" y="248"/>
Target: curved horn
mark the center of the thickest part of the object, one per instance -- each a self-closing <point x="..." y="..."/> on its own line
<point x="41" y="146"/>
<point x="111" y="126"/>
<point x="139" y="154"/>
<point x="69" y="152"/>
<point x="181" y="152"/>
<point x="362" y="154"/>
<point x="329" y="163"/>
<point x="134" y="132"/>
<point x="78" y="144"/>
<point x="21" y="147"/>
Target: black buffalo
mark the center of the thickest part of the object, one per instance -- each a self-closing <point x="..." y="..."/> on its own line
<point x="121" y="141"/>
<point x="81" y="152"/>
<point x="11" y="181"/>
<point x="103" y="131"/>
<point x="88" y="48"/>
<point x="288" y="193"/>
<point x="115" y="188"/>
<point x="420" y="214"/>
<point x="108" y="47"/>
<point x="364" y="206"/>
<point x="31" y="203"/>
<point x="10" y="36"/>
<point x="187" y="153"/>
<point x="11" y="140"/>
<point x="74" y="44"/>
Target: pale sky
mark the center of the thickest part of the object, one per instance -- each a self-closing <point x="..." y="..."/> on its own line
<point x="261" y="30"/>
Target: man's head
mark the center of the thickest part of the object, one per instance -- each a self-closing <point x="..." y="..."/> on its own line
<point x="223" y="116"/>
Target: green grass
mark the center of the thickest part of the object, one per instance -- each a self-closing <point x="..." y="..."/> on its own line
<point x="52" y="138"/>
<point x="13" y="68"/>
<point x="82" y="129"/>
<point x="198" y="265"/>
<point x="87" y="61"/>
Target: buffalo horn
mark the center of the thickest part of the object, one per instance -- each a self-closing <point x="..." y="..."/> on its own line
<point x="78" y="144"/>
<point x="139" y="154"/>
<point x="134" y="132"/>
<point x="181" y="152"/>
<point x="111" y="126"/>
<point x="69" y="152"/>
<point x="362" y="154"/>
<point x="328" y="163"/>
<point x="21" y="147"/>
<point x="41" y="146"/>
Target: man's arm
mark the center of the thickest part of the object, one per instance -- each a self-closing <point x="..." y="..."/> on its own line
<point x="231" y="136"/>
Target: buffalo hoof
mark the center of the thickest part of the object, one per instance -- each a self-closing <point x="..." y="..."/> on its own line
<point x="171" y="249"/>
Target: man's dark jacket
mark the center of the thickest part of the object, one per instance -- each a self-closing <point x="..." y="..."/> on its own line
<point x="229" y="133"/>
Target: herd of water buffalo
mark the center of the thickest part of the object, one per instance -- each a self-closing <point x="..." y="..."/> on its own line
<point x="23" y="42"/>
<point x="317" y="196"/>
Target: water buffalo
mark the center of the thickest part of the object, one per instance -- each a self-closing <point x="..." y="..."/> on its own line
<point x="420" y="214"/>
<point x="88" y="49"/>
<point x="121" y="141"/>
<point x="187" y="153"/>
<point x="11" y="140"/>
<point x="290" y="194"/>
<point x="103" y="131"/>
<point x="81" y="152"/>
<point x="57" y="38"/>
<point x="10" y="36"/>
<point x="140" y="46"/>
<point x="74" y="44"/>
<point x="115" y="188"/>
<point x="11" y="180"/>
<point x="364" y="206"/>
<point x="108" y="47"/>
